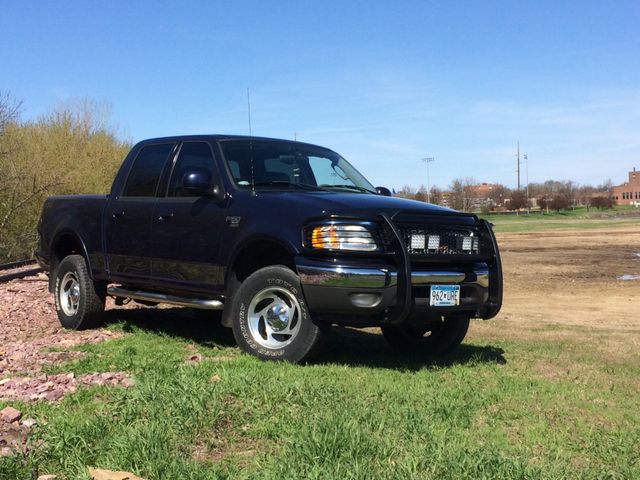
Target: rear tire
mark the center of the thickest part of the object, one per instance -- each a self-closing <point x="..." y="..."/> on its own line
<point x="271" y="320"/>
<point x="79" y="300"/>
<point x="437" y="338"/>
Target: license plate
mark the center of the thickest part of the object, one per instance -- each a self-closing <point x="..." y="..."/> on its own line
<point x="445" y="295"/>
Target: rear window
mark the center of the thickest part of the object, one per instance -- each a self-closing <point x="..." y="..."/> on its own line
<point x="146" y="170"/>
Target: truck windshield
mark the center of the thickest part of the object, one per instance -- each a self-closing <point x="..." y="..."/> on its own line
<point x="285" y="165"/>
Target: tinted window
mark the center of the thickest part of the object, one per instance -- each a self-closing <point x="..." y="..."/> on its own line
<point x="194" y="156"/>
<point x="283" y="164"/>
<point x="146" y="170"/>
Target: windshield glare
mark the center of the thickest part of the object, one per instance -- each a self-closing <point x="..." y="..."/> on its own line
<point x="290" y="165"/>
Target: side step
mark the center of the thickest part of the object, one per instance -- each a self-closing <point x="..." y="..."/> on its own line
<point x="205" y="304"/>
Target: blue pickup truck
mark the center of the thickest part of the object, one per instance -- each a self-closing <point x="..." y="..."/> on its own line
<point x="286" y="238"/>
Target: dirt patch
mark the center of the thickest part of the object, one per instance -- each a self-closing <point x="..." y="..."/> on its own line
<point x="564" y="286"/>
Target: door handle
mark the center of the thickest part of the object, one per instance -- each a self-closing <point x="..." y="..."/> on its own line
<point x="117" y="215"/>
<point x="165" y="216"/>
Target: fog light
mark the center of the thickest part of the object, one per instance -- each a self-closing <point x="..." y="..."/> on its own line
<point x="417" y="242"/>
<point x="434" y="242"/>
<point x="365" y="300"/>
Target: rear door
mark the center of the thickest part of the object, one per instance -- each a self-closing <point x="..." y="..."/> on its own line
<point x="186" y="229"/>
<point x="128" y="242"/>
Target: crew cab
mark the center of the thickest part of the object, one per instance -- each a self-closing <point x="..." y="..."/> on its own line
<point x="286" y="238"/>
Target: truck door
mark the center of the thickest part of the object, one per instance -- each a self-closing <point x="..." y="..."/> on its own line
<point x="128" y="215"/>
<point x="186" y="227"/>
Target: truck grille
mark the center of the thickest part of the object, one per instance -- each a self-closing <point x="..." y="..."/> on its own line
<point x="426" y="240"/>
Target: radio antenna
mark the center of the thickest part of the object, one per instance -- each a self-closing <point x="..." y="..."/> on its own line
<point x="253" y="180"/>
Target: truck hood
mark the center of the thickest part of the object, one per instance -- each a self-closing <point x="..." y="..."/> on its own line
<point x="336" y="203"/>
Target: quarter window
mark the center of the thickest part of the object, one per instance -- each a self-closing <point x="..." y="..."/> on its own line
<point x="193" y="157"/>
<point x="145" y="172"/>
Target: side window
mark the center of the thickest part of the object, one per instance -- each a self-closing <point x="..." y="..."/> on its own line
<point x="281" y="170"/>
<point x="145" y="172"/>
<point x="194" y="156"/>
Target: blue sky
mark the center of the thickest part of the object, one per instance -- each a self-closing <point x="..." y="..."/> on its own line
<point x="383" y="83"/>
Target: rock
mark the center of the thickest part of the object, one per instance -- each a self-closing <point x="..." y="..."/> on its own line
<point x="195" y="358"/>
<point x="5" y="452"/>
<point x="29" y="422"/>
<point x="54" y="395"/>
<point x="101" y="474"/>
<point x="47" y="477"/>
<point x="4" y="380"/>
<point x="10" y="414"/>
<point x="128" y="382"/>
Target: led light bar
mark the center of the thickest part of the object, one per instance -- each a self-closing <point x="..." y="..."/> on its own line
<point x="434" y="242"/>
<point x="417" y="241"/>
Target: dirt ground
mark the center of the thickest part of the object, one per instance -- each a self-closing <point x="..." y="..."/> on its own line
<point x="568" y="283"/>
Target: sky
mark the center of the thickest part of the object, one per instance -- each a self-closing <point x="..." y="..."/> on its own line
<point x="382" y="83"/>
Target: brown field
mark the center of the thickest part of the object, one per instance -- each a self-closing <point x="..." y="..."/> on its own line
<point x="565" y="285"/>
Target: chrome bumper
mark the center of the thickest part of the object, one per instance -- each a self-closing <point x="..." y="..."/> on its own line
<point x="359" y="277"/>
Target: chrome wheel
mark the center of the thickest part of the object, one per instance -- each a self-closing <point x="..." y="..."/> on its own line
<point x="274" y="317"/>
<point x="69" y="295"/>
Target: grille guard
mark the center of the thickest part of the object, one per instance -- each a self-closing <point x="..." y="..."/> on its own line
<point x="404" y="301"/>
<point x="402" y="257"/>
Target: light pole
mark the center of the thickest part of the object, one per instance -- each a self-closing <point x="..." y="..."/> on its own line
<point x="428" y="160"/>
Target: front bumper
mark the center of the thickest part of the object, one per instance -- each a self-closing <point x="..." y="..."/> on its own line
<point x="367" y="291"/>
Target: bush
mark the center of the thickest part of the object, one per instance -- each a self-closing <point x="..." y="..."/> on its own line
<point x="71" y="150"/>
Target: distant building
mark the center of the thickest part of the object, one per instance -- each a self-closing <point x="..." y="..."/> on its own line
<point x="629" y="192"/>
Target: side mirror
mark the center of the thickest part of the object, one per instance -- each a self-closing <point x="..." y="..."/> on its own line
<point x="384" y="191"/>
<point x="198" y="183"/>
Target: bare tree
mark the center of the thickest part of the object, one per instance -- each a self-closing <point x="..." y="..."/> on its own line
<point x="462" y="194"/>
<point x="518" y="200"/>
<point x="559" y="202"/>
<point x="436" y="195"/>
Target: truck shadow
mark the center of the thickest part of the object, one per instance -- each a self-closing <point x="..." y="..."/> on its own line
<point x="345" y="346"/>
<point x="368" y="348"/>
<point x="198" y="326"/>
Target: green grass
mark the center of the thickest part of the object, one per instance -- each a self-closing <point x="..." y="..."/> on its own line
<point x="577" y="219"/>
<point x="361" y="412"/>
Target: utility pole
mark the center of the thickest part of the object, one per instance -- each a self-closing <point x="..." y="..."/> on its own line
<point x="526" y="166"/>
<point x="428" y="160"/>
<point x="518" y="157"/>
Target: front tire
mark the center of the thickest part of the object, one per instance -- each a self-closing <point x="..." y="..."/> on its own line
<point x="79" y="300"/>
<point x="271" y="320"/>
<point x="439" y="337"/>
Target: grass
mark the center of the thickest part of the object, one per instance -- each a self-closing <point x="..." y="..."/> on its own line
<point x="495" y="409"/>
<point x="577" y="219"/>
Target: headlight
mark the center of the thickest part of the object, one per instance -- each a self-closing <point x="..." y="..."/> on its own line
<point x="341" y="237"/>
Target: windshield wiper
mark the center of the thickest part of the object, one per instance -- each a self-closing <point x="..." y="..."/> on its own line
<point x="284" y="183"/>
<point x="351" y="187"/>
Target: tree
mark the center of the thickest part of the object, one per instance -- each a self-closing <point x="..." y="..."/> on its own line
<point x="421" y="194"/>
<point x="498" y="194"/>
<point x="559" y="202"/>
<point x="436" y="195"/>
<point x="518" y="200"/>
<point x="405" y="192"/>
<point x="543" y="202"/>
<point x="461" y="194"/>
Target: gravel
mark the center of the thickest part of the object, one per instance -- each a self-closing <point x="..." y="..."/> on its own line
<point x="31" y="338"/>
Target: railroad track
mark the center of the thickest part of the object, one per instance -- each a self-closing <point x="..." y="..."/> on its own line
<point x="23" y="272"/>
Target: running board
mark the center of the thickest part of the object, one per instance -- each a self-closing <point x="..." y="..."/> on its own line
<point x="162" y="298"/>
